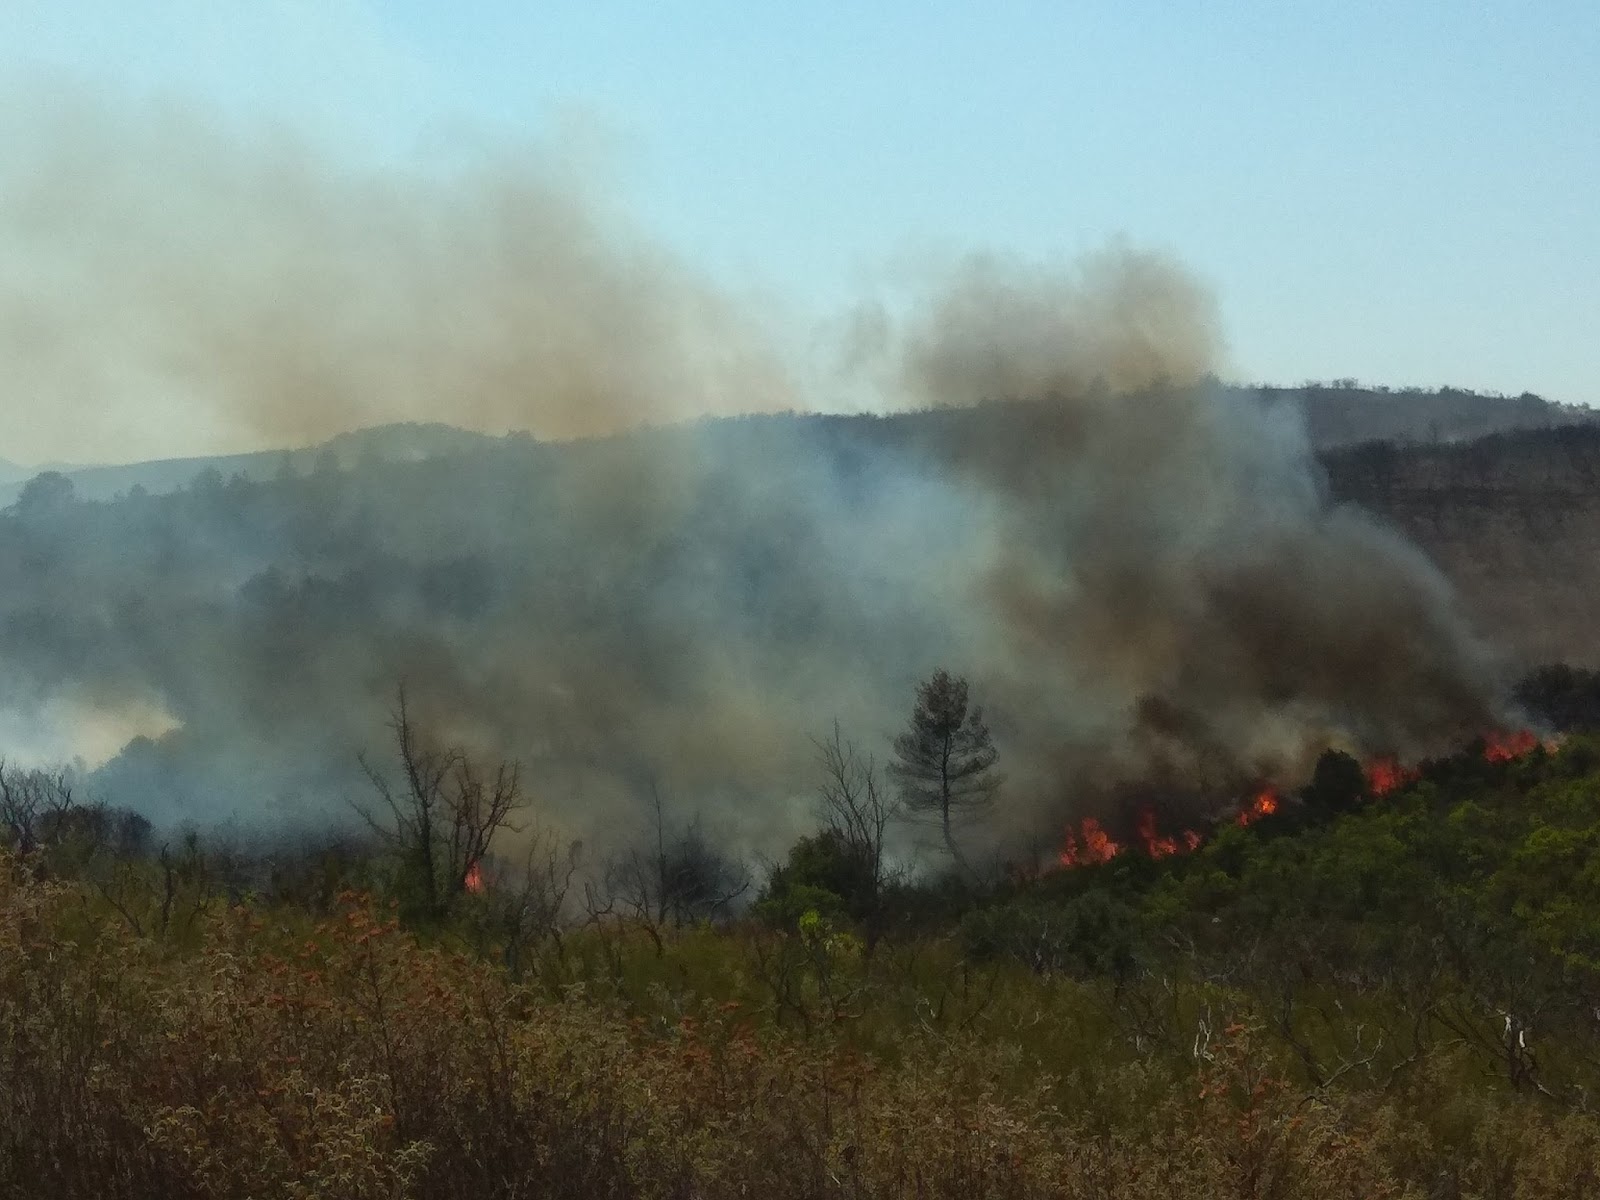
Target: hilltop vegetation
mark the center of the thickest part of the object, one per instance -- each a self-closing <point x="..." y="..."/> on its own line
<point x="1360" y="996"/>
<point x="1345" y="413"/>
<point x="1337" y="414"/>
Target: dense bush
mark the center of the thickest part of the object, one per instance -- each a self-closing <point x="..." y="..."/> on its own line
<point x="1395" y="999"/>
<point x="342" y="1058"/>
<point x="1089" y="935"/>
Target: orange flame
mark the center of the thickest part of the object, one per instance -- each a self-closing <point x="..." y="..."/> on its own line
<point x="1157" y="845"/>
<point x="1503" y="747"/>
<point x="1264" y="804"/>
<point x="474" y="879"/>
<point x="1385" y="774"/>
<point x="1090" y="844"/>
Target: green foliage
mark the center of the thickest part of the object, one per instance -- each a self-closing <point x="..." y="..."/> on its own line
<point x="1393" y="999"/>
<point x="1089" y="935"/>
<point x="785" y="905"/>
<point x="823" y="872"/>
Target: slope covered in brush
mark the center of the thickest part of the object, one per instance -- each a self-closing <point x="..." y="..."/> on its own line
<point x="1362" y="996"/>
<point x="1144" y="588"/>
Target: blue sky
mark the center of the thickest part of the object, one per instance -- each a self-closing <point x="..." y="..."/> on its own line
<point x="1405" y="193"/>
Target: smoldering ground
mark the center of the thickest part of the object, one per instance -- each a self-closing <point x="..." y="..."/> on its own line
<point x="1136" y="568"/>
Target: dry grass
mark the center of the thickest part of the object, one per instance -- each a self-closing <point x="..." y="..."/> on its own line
<point x="276" y="1058"/>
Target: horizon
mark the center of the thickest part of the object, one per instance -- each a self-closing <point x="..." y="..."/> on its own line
<point x="1400" y="392"/>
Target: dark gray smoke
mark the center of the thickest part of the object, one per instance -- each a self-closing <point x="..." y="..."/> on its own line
<point x="1134" y="566"/>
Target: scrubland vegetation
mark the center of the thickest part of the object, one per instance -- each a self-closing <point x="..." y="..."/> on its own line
<point x="571" y="977"/>
<point x="1360" y="995"/>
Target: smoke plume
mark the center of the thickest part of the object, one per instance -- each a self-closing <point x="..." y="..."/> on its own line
<point x="158" y="273"/>
<point x="1135" y="566"/>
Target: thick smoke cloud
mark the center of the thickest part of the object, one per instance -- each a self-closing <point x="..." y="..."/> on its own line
<point x="158" y="274"/>
<point x="1119" y="321"/>
<point x="1185" y="609"/>
<point x="1134" y="566"/>
<point x="1173" y="610"/>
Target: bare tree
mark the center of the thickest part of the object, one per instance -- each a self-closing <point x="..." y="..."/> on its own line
<point x="944" y="762"/>
<point x="679" y="878"/>
<point x="525" y="904"/>
<point x="441" y="821"/>
<point x="856" y="811"/>
<point x="186" y="885"/>
<point x="34" y="806"/>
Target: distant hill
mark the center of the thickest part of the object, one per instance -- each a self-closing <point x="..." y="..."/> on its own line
<point x="1337" y="414"/>
<point x="1513" y="519"/>
<point x="1342" y="414"/>
<point x="1502" y="492"/>
<point x="408" y="442"/>
<point x="404" y="442"/>
<point x="278" y="612"/>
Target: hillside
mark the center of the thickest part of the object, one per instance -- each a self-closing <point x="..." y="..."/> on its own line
<point x="1345" y="413"/>
<point x="1512" y="519"/>
<point x="1336" y="415"/>
<point x="684" y="602"/>
<point x="692" y="944"/>
<point x="1383" y="991"/>
<point x="407" y="442"/>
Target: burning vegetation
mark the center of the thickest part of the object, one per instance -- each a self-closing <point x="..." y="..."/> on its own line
<point x="1088" y="843"/>
<point x="285" y="1034"/>
<point x="1138" y="568"/>
<point x="533" y="955"/>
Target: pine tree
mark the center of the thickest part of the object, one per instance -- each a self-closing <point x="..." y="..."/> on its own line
<point x="944" y="762"/>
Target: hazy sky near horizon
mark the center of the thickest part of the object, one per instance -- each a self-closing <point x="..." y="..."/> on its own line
<point x="1407" y="194"/>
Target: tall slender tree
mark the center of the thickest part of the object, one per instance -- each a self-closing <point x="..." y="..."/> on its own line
<point x="944" y="763"/>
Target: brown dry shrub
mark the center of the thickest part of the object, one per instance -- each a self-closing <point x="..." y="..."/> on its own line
<point x="344" y="1059"/>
